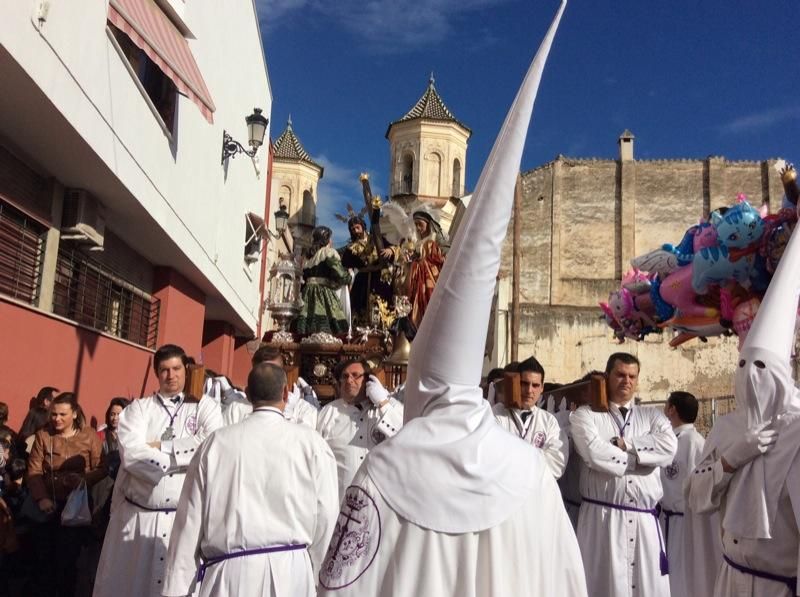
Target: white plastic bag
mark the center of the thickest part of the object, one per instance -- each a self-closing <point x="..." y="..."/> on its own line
<point x="76" y="513"/>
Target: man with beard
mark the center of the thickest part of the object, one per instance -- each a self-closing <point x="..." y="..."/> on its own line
<point x="374" y="272"/>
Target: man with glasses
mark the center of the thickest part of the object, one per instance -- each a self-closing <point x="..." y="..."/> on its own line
<point x="360" y="418"/>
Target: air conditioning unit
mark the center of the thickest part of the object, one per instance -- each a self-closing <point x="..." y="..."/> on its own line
<point x="83" y="219"/>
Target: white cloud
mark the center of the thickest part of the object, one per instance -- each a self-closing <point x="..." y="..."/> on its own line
<point x="761" y="120"/>
<point x="384" y="25"/>
<point x="339" y="186"/>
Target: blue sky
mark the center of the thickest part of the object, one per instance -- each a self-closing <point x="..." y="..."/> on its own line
<point x="690" y="78"/>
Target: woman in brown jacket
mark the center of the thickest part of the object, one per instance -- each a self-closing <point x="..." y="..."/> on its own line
<point x="65" y="453"/>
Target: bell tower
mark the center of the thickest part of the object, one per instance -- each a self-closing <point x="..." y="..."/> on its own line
<point x="428" y="148"/>
<point x="294" y="183"/>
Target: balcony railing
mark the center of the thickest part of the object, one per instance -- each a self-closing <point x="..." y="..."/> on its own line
<point x="90" y="293"/>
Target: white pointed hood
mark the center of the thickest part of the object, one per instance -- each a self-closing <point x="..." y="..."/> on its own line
<point x="452" y="468"/>
<point x="765" y="393"/>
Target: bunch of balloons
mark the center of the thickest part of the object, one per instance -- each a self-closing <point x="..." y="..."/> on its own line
<point x="710" y="283"/>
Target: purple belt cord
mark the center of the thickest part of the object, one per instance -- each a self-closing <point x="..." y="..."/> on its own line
<point x="789" y="581"/>
<point x="208" y="562"/>
<point x="662" y="555"/>
<point x="167" y="510"/>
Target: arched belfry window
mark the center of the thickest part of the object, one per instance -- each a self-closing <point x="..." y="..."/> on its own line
<point x="456" y="192"/>
<point x="407" y="174"/>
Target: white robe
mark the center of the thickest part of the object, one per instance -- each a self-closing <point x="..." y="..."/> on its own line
<point x="570" y="481"/>
<point x="265" y="482"/>
<point x="236" y="408"/>
<point x="352" y="432"/>
<point x="709" y="489"/>
<point x="621" y="549"/>
<point x="528" y="554"/>
<point x="693" y="539"/>
<point x="133" y="558"/>
<point x="540" y="429"/>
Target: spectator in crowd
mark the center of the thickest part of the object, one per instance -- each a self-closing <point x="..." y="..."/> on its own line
<point x="109" y="434"/>
<point x="491" y="377"/>
<point x="4" y="422"/>
<point x="66" y="453"/>
<point x="38" y="416"/>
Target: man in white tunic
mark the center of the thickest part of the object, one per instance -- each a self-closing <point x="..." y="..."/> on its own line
<point x="750" y="469"/>
<point x="258" y="505"/>
<point x="531" y="423"/>
<point x="692" y="539"/>
<point x="359" y="419"/>
<point x="618" y="528"/>
<point x="158" y="436"/>
<point x="454" y="505"/>
<point x="236" y="407"/>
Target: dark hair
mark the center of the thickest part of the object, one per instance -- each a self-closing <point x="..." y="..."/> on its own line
<point x="265" y="383"/>
<point x="494" y="374"/>
<point x="72" y="399"/>
<point x="512" y="367"/>
<point x="3" y="413"/>
<point x="352" y="222"/>
<point x="686" y="405"/>
<point x="166" y="352"/>
<point x="123" y="402"/>
<point x="16" y="468"/>
<point x="34" y="420"/>
<point x="625" y="358"/>
<point x="320" y="237"/>
<point x="532" y="365"/>
<point x="266" y="353"/>
<point x="342" y="365"/>
<point x="46" y="393"/>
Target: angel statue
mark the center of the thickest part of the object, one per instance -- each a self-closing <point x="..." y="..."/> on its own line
<point x="323" y="275"/>
<point x="419" y="246"/>
<point x="373" y="271"/>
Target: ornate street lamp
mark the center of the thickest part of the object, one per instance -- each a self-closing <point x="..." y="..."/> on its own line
<point x="256" y="129"/>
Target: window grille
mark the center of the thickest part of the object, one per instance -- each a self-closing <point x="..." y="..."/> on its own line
<point x="21" y="254"/>
<point x="90" y="293"/>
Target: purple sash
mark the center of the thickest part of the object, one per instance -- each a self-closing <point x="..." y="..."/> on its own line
<point x="208" y="562"/>
<point x="662" y="555"/>
<point x="789" y="581"/>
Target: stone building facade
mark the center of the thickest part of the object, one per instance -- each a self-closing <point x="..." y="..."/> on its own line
<point x="584" y="219"/>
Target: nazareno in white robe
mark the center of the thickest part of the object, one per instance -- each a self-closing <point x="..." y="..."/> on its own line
<point x="621" y="549"/>
<point x="453" y="505"/>
<point x="353" y="430"/>
<point x="265" y="482"/>
<point x="134" y="551"/>
<point x="541" y="429"/>
<point x="375" y="552"/>
<point x="236" y="408"/>
<point x="693" y="541"/>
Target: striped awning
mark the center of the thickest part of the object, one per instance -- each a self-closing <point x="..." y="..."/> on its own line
<point x="152" y="31"/>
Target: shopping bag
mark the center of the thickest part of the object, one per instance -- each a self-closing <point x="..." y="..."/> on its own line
<point x="76" y="512"/>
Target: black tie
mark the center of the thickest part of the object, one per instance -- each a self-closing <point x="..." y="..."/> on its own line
<point x="524" y="414"/>
<point x="623" y="410"/>
<point x="176" y="400"/>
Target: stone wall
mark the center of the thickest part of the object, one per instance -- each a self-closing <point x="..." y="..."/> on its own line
<point x="583" y="222"/>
